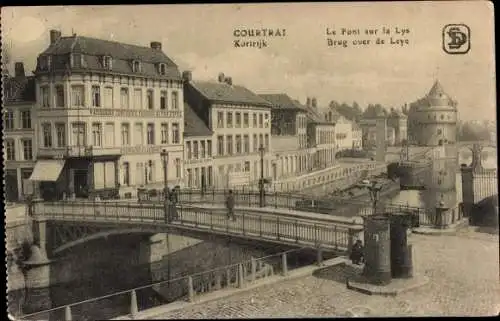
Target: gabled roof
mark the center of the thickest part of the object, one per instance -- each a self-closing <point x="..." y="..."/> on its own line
<point x="193" y="125"/>
<point x="93" y="49"/>
<point x="313" y="116"/>
<point x="19" y="89"/>
<point x="225" y="93"/>
<point x="282" y="101"/>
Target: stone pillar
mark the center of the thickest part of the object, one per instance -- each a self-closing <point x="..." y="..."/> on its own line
<point x="37" y="281"/>
<point x="16" y="286"/>
<point x="39" y="229"/>
<point x="377" y="249"/>
<point x="467" y="189"/>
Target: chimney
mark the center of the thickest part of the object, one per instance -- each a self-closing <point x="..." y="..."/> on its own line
<point x="156" y="45"/>
<point x="19" y="69"/>
<point x="229" y="81"/>
<point x="187" y="76"/>
<point x="308" y="102"/>
<point x="222" y="78"/>
<point x="54" y="36"/>
<point x="314" y="103"/>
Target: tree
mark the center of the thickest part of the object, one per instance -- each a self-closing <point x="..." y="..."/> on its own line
<point x="473" y="132"/>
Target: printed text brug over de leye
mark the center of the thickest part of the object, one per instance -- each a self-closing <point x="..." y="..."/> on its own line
<point x="341" y="37"/>
<point x="256" y="38"/>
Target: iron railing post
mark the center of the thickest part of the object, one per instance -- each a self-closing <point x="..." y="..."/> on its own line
<point x="296" y="231"/>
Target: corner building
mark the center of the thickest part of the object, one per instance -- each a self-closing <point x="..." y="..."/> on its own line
<point x="240" y="122"/>
<point x="106" y="111"/>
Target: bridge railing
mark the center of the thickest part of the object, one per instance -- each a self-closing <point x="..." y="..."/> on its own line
<point x="128" y="303"/>
<point x="249" y="224"/>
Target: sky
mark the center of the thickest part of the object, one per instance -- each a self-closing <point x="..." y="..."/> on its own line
<point x="200" y="38"/>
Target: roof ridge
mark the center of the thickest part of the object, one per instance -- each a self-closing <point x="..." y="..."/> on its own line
<point x="112" y="41"/>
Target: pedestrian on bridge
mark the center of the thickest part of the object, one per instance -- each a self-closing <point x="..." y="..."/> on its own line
<point x="357" y="256"/>
<point x="230" y="206"/>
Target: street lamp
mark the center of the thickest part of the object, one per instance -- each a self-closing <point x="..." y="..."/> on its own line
<point x="262" y="195"/>
<point x="374" y="190"/>
<point x="164" y="157"/>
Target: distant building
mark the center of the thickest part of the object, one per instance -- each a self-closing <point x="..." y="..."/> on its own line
<point x="288" y="136"/>
<point x="321" y="137"/>
<point x="396" y="128"/>
<point x="433" y="118"/>
<point x="106" y="110"/>
<point x="240" y="122"/>
<point x="399" y="124"/>
<point x="19" y="121"/>
<point x="357" y="136"/>
<point x="198" y="151"/>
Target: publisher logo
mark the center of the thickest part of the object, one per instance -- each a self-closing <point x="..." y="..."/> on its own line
<point x="456" y="39"/>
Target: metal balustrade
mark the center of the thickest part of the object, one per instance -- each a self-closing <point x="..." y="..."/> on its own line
<point x="185" y="288"/>
<point x="252" y="225"/>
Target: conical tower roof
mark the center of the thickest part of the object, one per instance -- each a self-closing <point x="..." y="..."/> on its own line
<point x="437" y="97"/>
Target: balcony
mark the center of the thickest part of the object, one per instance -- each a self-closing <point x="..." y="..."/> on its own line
<point x="108" y="112"/>
<point x="194" y="161"/>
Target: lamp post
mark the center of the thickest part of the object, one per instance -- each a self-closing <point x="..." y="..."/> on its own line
<point x="374" y="190"/>
<point x="262" y="194"/>
<point x="164" y="157"/>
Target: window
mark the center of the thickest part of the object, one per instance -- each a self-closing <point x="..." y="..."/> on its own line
<point x="175" y="100"/>
<point x="124" y="103"/>
<point x="59" y="95"/>
<point x="266" y="120"/>
<point x="138" y="98"/>
<point x="61" y="134"/>
<point x="238" y="120"/>
<point x="220" y="119"/>
<point x="229" y="145"/>
<point x="164" y="133"/>
<point x="79" y="135"/>
<point x="47" y="135"/>
<point x="254" y="120"/>
<point x="125" y="131"/>
<point x="136" y="66"/>
<point x="196" y="176"/>
<point x="439" y="131"/>
<point x="238" y="144"/>
<point x="138" y="134"/>
<point x="151" y="134"/>
<point x="126" y="174"/>
<point x="96" y="134"/>
<point x="202" y="149"/>
<point x="246" y="144"/>
<point x="150" y="171"/>
<point x="109" y="134"/>
<point x="27" y="149"/>
<point x="77" y="95"/>
<point x="178" y="168"/>
<point x="162" y="69"/>
<point x="261" y="140"/>
<point x="175" y="133"/>
<point x="190" y="177"/>
<point x="96" y="96"/>
<point x="9" y="119"/>
<point x="260" y="121"/>
<point x="188" y="149"/>
<point x="245" y="120"/>
<point x="266" y="142"/>
<point x="209" y="148"/>
<point x="209" y="174"/>
<point x="230" y="119"/>
<point x="195" y="149"/>
<point x="10" y="149"/>
<point x="44" y="93"/>
<point x="220" y="145"/>
<point x="163" y="99"/>
<point x="150" y="99"/>
<point x="107" y="62"/>
<point x="255" y="143"/>
<point x="247" y="166"/>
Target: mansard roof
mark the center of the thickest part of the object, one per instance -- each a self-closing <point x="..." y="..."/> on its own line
<point x="222" y="92"/>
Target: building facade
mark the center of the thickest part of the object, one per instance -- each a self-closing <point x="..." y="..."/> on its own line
<point x="19" y="133"/>
<point x="240" y="122"/>
<point x="433" y="118"/>
<point x="106" y="111"/>
<point x="288" y="136"/>
<point x="357" y="136"/>
<point x="198" y="151"/>
<point x="399" y="123"/>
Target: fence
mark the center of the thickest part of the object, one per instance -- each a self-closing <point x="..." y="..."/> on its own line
<point x="283" y="229"/>
<point x="186" y="288"/>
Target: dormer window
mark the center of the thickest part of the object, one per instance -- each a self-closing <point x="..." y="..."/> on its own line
<point x="136" y="66"/>
<point x="162" y="69"/>
<point x="107" y="62"/>
<point x="44" y="62"/>
<point x="76" y="60"/>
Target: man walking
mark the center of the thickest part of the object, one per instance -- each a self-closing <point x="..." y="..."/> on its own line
<point x="230" y="206"/>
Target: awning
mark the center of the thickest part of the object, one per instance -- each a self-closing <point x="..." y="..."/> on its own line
<point x="47" y="170"/>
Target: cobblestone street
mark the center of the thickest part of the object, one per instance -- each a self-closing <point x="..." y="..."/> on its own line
<point x="464" y="281"/>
